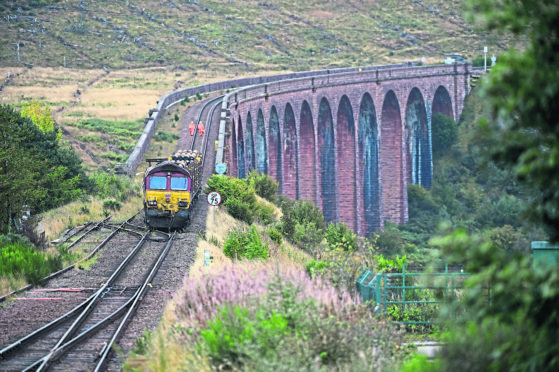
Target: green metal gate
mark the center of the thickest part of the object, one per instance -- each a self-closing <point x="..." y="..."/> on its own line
<point x="412" y="297"/>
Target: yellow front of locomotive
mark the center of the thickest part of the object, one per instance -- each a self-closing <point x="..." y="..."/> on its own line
<point x="167" y="196"/>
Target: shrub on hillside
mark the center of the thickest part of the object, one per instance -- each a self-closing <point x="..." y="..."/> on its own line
<point x="243" y="244"/>
<point x="339" y="236"/>
<point x="237" y="196"/>
<point x="444" y="132"/>
<point x="240" y="210"/>
<point x="285" y="330"/>
<point x="274" y="235"/>
<point x="111" y="205"/>
<point x="264" y="213"/>
<point x="389" y="242"/>
<point x="108" y="185"/>
<point x="19" y="257"/>
<point x="301" y="213"/>
<point x="263" y="185"/>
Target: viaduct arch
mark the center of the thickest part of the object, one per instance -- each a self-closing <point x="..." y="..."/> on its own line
<point x="349" y="142"/>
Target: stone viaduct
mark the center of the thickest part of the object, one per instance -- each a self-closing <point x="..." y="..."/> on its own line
<point x="349" y="141"/>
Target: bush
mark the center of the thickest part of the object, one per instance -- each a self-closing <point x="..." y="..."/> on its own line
<point x="240" y="210"/>
<point x="275" y="235"/>
<point x="18" y="256"/>
<point x="339" y="236"/>
<point x="308" y="237"/>
<point x="113" y="186"/>
<point x="301" y="213"/>
<point x="287" y="331"/>
<point x="314" y="268"/>
<point x="444" y="132"/>
<point x="263" y="185"/>
<point x="166" y="136"/>
<point x="265" y="214"/>
<point x="237" y="196"/>
<point x="389" y="242"/>
<point x="233" y="329"/>
<point x="241" y="244"/>
<point x="111" y="205"/>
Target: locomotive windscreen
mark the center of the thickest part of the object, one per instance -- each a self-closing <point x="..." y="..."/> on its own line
<point x="179" y="183"/>
<point x="157" y="183"/>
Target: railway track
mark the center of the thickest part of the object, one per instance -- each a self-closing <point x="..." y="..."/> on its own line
<point x="72" y="323"/>
<point x="99" y="320"/>
<point x="84" y="234"/>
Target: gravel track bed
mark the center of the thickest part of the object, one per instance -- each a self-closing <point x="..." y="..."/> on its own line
<point x="32" y="309"/>
<point x="181" y="256"/>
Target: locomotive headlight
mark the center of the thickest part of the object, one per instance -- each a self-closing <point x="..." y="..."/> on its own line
<point x="152" y="203"/>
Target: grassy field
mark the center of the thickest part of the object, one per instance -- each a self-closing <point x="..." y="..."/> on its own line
<point x="102" y="113"/>
<point x="220" y="36"/>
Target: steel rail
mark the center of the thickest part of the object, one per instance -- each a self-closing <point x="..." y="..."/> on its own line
<point x="87" y="232"/>
<point x="138" y="297"/>
<point x="35" y="334"/>
<point x="200" y="117"/>
<point x="67" y="268"/>
<point x="131" y="304"/>
<point x="209" y="121"/>
<point x="81" y="318"/>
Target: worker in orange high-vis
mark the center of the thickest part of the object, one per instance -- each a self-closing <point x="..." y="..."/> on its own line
<point x="191" y="128"/>
<point x="201" y="128"/>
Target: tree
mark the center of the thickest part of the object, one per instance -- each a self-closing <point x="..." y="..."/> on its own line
<point x="18" y="170"/>
<point x="41" y="117"/>
<point x="444" y="132"/>
<point x="522" y="91"/>
<point x="34" y="169"/>
<point x="515" y="328"/>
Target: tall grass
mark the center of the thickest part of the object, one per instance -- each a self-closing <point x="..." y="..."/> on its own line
<point x="18" y="257"/>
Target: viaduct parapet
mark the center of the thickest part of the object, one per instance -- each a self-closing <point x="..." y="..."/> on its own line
<point x="349" y="141"/>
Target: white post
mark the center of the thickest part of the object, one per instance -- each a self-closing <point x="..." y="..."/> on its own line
<point x="64" y="61"/>
<point x="484" y="58"/>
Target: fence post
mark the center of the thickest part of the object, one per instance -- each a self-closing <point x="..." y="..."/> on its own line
<point x="404" y="288"/>
<point x="452" y="299"/>
<point x="378" y="296"/>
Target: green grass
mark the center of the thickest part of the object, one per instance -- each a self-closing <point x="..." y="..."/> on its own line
<point x="19" y="257"/>
<point x="129" y="129"/>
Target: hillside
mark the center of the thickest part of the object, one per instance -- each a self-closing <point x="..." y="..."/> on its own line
<point x="235" y="36"/>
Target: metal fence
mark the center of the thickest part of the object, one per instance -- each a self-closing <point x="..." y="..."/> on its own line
<point x="413" y="297"/>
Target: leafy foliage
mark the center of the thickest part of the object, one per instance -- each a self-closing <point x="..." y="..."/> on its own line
<point x="444" y="133"/>
<point x="237" y="196"/>
<point x="41" y="117"/>
<point x="516" y="331"/>
<point x="275" y="235"/>
<point x="339" y="236"/>
<point x="36" y="171"/>
<point x="287" y="331"/>
<point x="263" y="185"/>
<point x="18" y="256"/>
<point x="302" y="223"/>
<point x="241" y="244"/>
<point x="166" y="136"/>
<point x="521" y="91"/>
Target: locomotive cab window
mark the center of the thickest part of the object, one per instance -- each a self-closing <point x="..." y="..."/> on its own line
<point x="179" y="183"/>
<point x="157" y="183"/>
